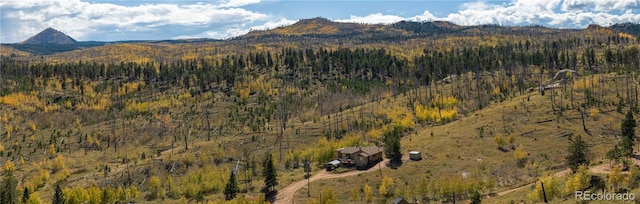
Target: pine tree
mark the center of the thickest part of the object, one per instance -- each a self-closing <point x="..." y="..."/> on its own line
<point x="25" y="195"/>
<point x="628" y="134"/>
<point x="9" y="184"/>
<point x="476" y="198"/>
<point x="614" y="154"/>
<point x="269" y="173"/>
<point x="58" y="197"/>
<point x="232" y="187"/>
<point x="578" y="151"/>
<point x="392" y="144"/>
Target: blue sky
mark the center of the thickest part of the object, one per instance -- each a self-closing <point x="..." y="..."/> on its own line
<point x="102" y="20"/>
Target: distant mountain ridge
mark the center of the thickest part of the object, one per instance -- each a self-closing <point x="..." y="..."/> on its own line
<point x="50" y="36"/>
<point x="324" y="27"/>
<point x="51" y="41"/>
<point x="631" y="28"/>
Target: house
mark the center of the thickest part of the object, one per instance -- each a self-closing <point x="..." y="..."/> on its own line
<point x="360" y="157"/>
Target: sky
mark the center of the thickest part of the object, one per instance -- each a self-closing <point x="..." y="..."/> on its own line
<point x="116" y="20"/>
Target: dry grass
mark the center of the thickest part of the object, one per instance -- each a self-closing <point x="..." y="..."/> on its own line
<point x="456" y="148"/>
<point x="449" y="150"/>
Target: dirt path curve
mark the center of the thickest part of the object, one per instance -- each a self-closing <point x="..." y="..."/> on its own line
<point x="598" y="169"/>
<point x="557" y="174"/>
<point x="286" y="194"/>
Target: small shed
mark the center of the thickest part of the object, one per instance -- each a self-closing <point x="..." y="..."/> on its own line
<point x="400" y="200"/>
<point x="415" y="155"/>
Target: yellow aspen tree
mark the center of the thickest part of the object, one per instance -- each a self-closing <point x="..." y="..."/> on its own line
<point x="52" y="149"/>
<point x="9" y="129"/>
<point x="355" y="195"/>
<point x="382" y="190"/>
<point x="9" y="166"/>
<point x="368" y="194"/>
<point x="615" y="177"/>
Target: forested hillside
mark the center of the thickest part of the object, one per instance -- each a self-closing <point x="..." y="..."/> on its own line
<point x="153" y="121"/>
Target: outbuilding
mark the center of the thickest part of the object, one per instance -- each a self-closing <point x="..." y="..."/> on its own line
<point x="415" y="155"/>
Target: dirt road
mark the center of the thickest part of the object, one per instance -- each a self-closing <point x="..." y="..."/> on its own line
<point x="598" y="169"/>
<point x="557" y="174"/>
<point x="286" y="194"/>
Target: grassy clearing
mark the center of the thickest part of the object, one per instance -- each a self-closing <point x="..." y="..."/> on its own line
<point x="466" y="146"/>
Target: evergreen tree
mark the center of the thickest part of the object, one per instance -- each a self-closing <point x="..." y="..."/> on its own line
<point x="392" y="143"/>
<point x="58" y="197"/>
<point x="9" y="193"/>
<point x="578" y="151"/>
<point x="476" y="198"/>
<point x="614" y="154"/>
<point x="232" y="187"/>
<point x="628" y="134"/>
<point x="269" y="173"/>
<point x="25" y="195"/>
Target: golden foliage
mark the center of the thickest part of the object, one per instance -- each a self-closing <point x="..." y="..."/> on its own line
<point x="387" y="183"/>
<point x="593" y="111"/>
<point x="375" y="133"/>
<point x="441" y="109"/>
<point x="382" y="190"/>
<point x="400" y="116"/>
<point x="615" y="177"/>
<point x="155" y="186"/>
<point x="499" y="140"/>
<point x="626" y="35"/>
<point x="38" y="179"/>
<point x="165" y="102"/>
<point x="96" y="195"/>
<point x="22" y="102"/>
<point x="578" y="181"/>
<point x="9" y="129"/>
<point x="354" y="195"/>
<point x="129" y="87"/>
<point x="52" y="149"/>
<point x="9" y="166"/>
<point x="34" y="198"/>
<point x="33" y="127"/>
<point x="551" y="187"/>
<point x="519" y="153"/>
<point x="368" y="195"/>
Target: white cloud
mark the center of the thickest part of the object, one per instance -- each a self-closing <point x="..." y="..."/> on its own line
<point x="574" y="13"/>
<point x="238" y="3"/>
<point x="599" y="5"/>
<point x="274" y="24"/>
<point x="426" y="16"/>
<point x="375" y="18"/>
<point x="22" y="19"/>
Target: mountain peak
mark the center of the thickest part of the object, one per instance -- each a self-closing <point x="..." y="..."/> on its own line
<point x="315" y="20"/>
<point x="50" y="36"/>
